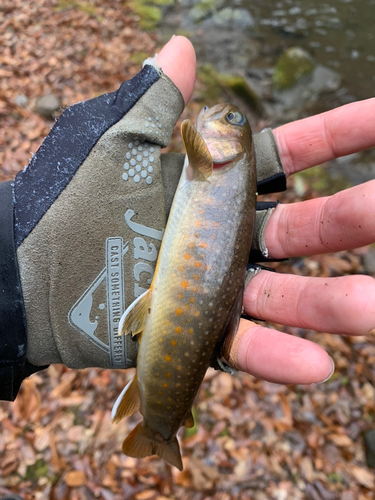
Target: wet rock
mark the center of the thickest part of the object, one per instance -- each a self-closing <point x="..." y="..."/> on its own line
<point x="237" y="18"/>
<point x="21" y="100"/>
<point x="291" y="101"/>
<point x="47" y="105"/>
<point x="293" y="64"/>
<point x="369" y="438"/>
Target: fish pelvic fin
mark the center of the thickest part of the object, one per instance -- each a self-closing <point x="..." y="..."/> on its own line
<point x="127" y="402"/>
<point x="198" y="154"/>
<point x="189" y="421"/>
<point x="133" y="321"/>
<point x="142" y="442"/>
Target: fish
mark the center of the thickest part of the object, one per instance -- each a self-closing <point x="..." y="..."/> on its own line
<point x="195" y="297"/>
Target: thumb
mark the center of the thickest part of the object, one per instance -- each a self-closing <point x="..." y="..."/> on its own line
<point x="177" y="60"/>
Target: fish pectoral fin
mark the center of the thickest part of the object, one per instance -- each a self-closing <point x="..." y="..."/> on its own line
<point x="189" y="420"/>
<point x="133" y="320"/>
<point x="228" y="333"/>
<point x="198" y="154"/>
<point x="127" y="402"/>
<point x="142" y="442"/>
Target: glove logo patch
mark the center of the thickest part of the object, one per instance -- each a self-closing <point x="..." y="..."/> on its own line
<point x="104" y="297"/>
<point x="139" y="164"/>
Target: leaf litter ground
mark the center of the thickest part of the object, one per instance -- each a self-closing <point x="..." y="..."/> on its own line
<point x="254" y="440"/>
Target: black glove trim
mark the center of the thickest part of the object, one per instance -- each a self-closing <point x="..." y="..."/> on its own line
<point x="65" y="148"/>
<point x="13" y="365"/>
<point x="273" y="184"/>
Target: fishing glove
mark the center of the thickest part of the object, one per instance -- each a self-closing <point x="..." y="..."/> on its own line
<point x="81" y="226"/>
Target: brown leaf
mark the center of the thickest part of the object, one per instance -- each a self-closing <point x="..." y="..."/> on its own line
<point x="363" y="476"/>
<point x="75" y="478"/>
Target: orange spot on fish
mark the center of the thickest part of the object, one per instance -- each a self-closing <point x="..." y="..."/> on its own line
<point x="192" y="300"/>
<point x="198" y="223"/>
<point x="168" y="374"/>
<point x="204" y="244"/>
<point x="181" y="268"/>
<point x="165" y="385"/>
<point x="160" y="393"/>
<point x="201" y="211"/>
<point x="159" y="403"/>
<point x="196" y="277"/>
<point x="178" y="368"/>
<point x="178" y="311"/>
<point x="191" y="330"/>
<point x="187" y="256"/>
<point x="184" y="284"/>
<point x="208" y="267"/>
<point x="191" y="245"/>
<point x="161" y="339"/>
<point x="198" y="264"/>
<point x="186" y="308"/>
<point x="180" y="295"/>
<point x="196" y="235"/>
<point x="168" y="358"/>
<point x="169" y="399"/>
<point x="178" y="329"/>
<point x="213" y="236"/>
<point x="196" y="313"/>
<point x="174" y="342"/>
<point x="167" y="322"/>
<point x="216" y="224"/>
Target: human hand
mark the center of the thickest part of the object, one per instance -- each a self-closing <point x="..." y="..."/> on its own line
<point x="342" y="305"/>
<point x="89" y="214"/>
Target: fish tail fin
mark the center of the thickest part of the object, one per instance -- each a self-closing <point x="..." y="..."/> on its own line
<point x="141" y="443"/>
<point x="127" y="402"/>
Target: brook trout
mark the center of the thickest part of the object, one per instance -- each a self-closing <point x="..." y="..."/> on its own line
<point x="196" y="293"/>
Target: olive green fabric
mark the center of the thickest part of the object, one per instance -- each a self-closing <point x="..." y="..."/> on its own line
<point x="96" y="247"/>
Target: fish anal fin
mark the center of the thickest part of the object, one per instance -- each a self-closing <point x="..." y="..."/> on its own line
<point x="142" y="442"/>
<point x="189" y="420"/>
<point x="134" y="319"/>
<point x="200" y="159"/>
<point x="127" y="402"/>
<point x="228" y="333"/>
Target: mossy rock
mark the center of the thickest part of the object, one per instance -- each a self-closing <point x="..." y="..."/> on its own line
<point x="149" y="12"/>
<point x="204" y="9"/>
<point x="218" y="84"/>
<point x="320" y="180"/>
<point x="36" y="471"/>
<point x="292" y="65"/>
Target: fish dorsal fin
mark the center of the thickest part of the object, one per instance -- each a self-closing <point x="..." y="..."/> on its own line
<point x="127" y="402"/>
<point x="134" y="319"/>
<point x="199" y="157"/>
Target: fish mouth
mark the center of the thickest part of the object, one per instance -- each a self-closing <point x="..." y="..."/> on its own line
<point x="222" y="164"/>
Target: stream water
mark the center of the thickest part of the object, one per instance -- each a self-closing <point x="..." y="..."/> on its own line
<point x="243" y="36"/>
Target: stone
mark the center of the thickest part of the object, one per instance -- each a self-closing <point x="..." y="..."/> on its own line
<point x="292" y="65"/>
<point x="21" y="100"/>
<point x="47" y="105"/>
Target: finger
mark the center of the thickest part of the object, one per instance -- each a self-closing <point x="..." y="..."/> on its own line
<point x="343" y="305"/>
<point x="317" y="139"/>
<point x="339" y="222"/>
<point x="277" y="357"/>
<point x="177" y="60"/>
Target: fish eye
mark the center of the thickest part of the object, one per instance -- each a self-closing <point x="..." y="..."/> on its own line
<point x="236" y="118"/>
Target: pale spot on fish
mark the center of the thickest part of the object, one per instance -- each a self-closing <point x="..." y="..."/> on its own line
<point x="173" y="342"/>
<point x="184" y="284"/>
<point x="178" y="329"/>
<point x="165" y="385"/>
<point x="191" y="330"/>
<point x="192" y="300"/>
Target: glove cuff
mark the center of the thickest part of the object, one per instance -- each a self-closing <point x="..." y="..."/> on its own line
<point x="271" y="176"/>
<point x="13" y="365"/>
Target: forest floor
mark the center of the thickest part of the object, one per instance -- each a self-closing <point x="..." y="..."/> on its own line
<point x="253" y="440"/>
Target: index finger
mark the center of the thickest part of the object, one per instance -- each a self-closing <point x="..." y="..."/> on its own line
<point x="317" y="139"/>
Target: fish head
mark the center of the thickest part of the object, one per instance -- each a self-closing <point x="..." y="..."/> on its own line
<point x="226" y="132"/>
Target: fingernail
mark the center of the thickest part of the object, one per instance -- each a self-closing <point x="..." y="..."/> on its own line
<point x="173" y="36"/>
<point x="331" y="373"/>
